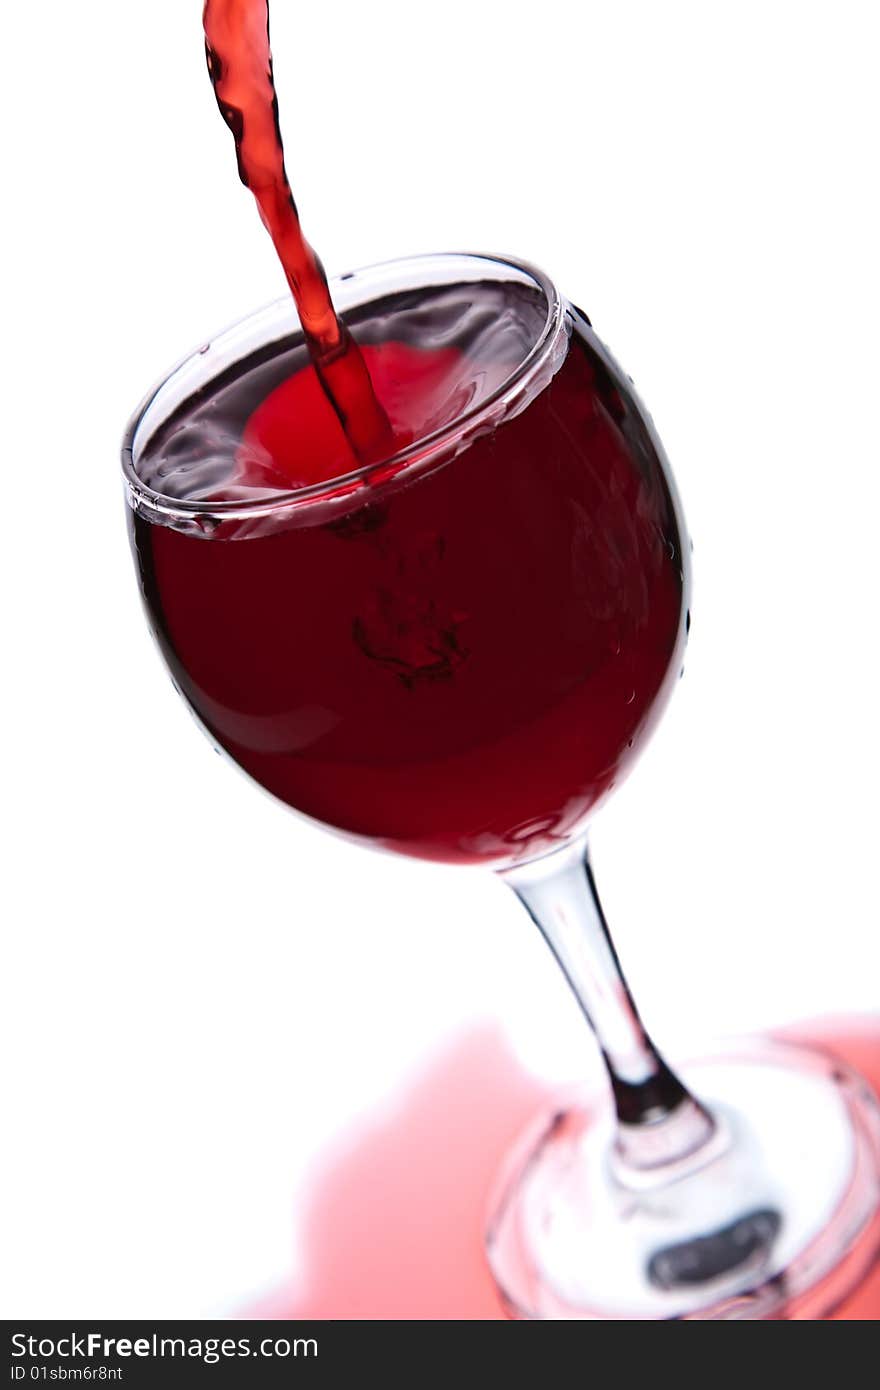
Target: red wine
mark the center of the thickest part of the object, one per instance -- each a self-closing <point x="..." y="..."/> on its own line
<point x="240" y="66"/>
<point x="462" y="665"/>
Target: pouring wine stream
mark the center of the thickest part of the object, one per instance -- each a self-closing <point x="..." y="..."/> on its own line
<point x="239" y="59"/>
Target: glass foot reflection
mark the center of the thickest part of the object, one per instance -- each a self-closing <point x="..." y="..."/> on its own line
<point x="766" y="1220"/>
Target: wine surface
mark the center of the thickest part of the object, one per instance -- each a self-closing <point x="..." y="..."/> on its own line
<point x="434" y="355"/>
<point x="463" y="666"/>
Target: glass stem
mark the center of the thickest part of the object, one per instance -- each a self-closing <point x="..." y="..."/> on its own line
<point x="659" y="1121"/>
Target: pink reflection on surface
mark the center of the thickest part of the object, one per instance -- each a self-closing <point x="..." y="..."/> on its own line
<point x="393" y="1223"/>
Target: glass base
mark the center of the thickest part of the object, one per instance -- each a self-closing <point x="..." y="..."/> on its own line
<point x="777" y="1217"/>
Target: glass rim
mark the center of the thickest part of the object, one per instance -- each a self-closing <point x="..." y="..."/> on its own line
<point x="415" y="455"/>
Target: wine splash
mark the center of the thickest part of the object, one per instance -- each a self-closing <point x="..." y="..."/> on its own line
<point x="239" y="58"/>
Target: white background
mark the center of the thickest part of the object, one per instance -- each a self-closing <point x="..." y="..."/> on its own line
<point x="198" y="989"/>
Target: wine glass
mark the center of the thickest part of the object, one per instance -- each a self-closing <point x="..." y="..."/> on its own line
<point x="458" y="653"/>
